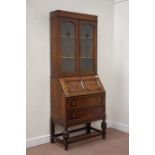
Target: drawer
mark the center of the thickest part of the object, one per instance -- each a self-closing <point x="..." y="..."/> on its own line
<point x="86" y="114"/>
<point x="85" y="101"/>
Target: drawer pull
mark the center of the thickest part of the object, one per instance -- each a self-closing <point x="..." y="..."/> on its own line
<point x="73" y="103"/>
<point x="73" y="116"/>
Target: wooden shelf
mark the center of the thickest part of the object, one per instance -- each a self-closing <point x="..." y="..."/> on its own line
<point x="68" y="57"/>
<point x="83" y="37"/>
<point x="86" y="57"/>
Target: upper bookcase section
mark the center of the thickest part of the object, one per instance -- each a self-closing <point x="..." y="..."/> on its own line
<point x="73" y="40"/>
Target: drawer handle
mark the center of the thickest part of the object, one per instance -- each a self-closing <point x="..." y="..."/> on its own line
<point x="73" y="103"/>
<point x="73" y="116"/>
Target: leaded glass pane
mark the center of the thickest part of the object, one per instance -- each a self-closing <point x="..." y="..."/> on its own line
<point x="68" y="47"/>
<point x="86" y="41"/>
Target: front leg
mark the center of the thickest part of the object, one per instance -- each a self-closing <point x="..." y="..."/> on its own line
<point x="88" y="125"/>
<point x="65" y="137"/>
<point x="103" y="126"/>
<point x="52" y="131"/>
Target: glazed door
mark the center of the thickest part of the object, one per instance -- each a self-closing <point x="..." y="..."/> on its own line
<point x="68" y="57"/>
<point x="87" y="48"/>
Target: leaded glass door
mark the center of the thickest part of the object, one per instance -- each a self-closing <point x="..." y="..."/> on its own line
<point x="68" y="46"/>
<point x="87" y="47"/>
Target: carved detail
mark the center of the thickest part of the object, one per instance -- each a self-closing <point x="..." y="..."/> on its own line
<point x="91" y="84"/>
<point x="74" y="86"/>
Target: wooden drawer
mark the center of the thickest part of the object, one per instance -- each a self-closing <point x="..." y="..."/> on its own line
<point x="85" y="101"/>
<point x="86" y="114"/>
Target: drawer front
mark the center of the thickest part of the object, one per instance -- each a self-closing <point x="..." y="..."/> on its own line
<point x="86" y="114"/>
<point x="79" y="102"/>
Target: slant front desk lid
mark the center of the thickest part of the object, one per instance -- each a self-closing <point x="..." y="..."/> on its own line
<point x="75" y="86"/>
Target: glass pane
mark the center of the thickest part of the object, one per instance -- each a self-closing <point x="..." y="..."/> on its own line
<point x="86" y="64"/>
<point x="68" y="39"/>
<point x="86" y="47"/>
<point x="68" y="65"/>
<point x="86" y="35"/>
<point x="86" y="41"/>
<point x="68" y="56"/>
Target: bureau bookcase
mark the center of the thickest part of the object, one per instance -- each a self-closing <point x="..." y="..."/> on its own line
<point x="77" y="94"/>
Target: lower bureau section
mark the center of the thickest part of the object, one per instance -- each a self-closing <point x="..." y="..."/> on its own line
<point x="68" y="110"/>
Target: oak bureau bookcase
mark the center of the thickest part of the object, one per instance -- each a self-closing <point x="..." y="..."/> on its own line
<point x="77" y="94"/>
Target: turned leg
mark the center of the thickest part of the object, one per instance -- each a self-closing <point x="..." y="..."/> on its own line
<point x="88" y="125"/>
<point x="65" y="137"/>
<point x="52" y="131"/>
<point x="103" y="126"/>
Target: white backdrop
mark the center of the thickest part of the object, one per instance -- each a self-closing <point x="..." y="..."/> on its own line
<point x="120" y="106"/>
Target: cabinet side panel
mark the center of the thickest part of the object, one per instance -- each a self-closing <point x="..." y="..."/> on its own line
<point x="57" y="103"/>
<point x="95" y="48"/>
<point x="54" y="46"/>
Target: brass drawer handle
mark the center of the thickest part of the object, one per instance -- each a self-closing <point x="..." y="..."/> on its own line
<point x="73" y="116"/>
<point x="73" y="103"/>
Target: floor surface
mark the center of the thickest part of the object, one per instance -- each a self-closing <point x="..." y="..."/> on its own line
<point x="116" y="143"/>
